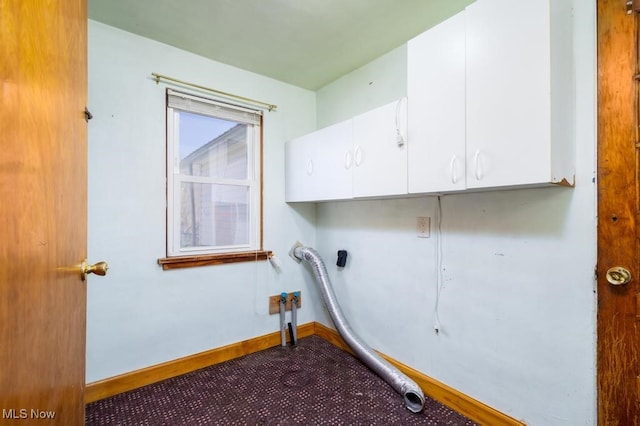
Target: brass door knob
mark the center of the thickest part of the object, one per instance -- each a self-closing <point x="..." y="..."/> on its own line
<point x="618" y="275"/>
<point x="99" y="268"/>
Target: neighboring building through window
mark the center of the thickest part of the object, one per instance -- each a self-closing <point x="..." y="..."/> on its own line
<point x="213" y="177"/>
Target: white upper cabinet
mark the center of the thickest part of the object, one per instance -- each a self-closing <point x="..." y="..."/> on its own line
<point x="298" y="169"/>
<point x="318" y="165"/>
<point x="519" y="91"/>
<point x="490" y="102"/>
<point x="491" y="98"/>
<point x="436" y="88"/>
<point x="380" y="151"/>
<point x="365" y="156"/>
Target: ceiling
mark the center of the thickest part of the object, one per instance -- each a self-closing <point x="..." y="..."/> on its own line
<point x="307" y="43"/>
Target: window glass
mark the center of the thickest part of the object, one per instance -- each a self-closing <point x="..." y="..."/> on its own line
<point x="212" y="147"/>
<point x="213" y="175"/>
<point x="213" y="215"/>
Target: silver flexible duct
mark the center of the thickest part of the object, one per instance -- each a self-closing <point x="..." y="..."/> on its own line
<point x="413" y="396"/>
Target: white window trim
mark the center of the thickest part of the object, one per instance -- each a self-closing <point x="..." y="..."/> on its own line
<point x="180" y="101"/>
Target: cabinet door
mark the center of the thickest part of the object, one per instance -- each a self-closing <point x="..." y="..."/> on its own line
<point x="380" y="151"/>
<point x="508" y="92"/>
<point x="332" y="164"/>
<point x="299" y="179"/>
<point x="436" y="94"/>
<point x="318" y="165"/>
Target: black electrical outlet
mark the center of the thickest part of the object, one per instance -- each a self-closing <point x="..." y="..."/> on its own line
<point x="342" y="258"/>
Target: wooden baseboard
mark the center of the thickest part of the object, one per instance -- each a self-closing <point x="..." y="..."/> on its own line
<point x="463" y="404"/>
<point x="473" y="409"/>
<point x="125" y="382"/>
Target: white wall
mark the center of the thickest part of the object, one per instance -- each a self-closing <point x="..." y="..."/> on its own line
<point x="517" y="304"/>
<point x="139" y="315"/>
<point x="377" y="83"/>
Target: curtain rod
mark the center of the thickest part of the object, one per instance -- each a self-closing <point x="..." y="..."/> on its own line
<point x="158" y="77"/>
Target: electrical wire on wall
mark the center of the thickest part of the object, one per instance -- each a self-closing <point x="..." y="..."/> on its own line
<point x="436" y="323"/>
<point x="399" y="136"/>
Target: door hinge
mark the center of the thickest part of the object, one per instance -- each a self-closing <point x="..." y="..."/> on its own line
<point x="638" y="307"/>
<point x="633" y="6"/>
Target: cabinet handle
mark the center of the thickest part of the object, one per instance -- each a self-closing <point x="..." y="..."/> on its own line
<point x="477" y="164"/>
<point x="348" y="159"/>
<point x="310" y="167"/>
<point x="454" y="174"/>
<point x="358" y="155"/>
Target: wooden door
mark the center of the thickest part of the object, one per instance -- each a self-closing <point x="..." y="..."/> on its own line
<point x="618" y="305"/>
<point x="43" y="81"/>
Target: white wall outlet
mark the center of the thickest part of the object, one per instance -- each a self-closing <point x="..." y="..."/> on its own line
<point x="423" y="224"/>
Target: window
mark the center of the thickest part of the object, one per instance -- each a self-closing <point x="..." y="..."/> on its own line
<point x="213" y="180"/>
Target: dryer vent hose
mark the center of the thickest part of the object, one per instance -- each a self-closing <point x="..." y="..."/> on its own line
<point x="413" y="396"/>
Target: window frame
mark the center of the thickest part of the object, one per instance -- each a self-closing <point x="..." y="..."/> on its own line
<point x="177" y="257"/>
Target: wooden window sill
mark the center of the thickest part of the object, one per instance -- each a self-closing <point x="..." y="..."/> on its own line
<point x="212" y="259"/>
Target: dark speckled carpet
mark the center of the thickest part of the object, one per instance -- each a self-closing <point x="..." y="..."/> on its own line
<point x="314" y="383"/>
